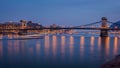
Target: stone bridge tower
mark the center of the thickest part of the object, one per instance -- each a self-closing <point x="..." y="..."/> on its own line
<point x="104" y="32"/>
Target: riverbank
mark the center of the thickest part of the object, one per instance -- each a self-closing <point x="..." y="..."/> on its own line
<point x="114" y="63"/>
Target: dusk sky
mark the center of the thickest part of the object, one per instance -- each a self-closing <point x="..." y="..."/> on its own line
<point x="61" y="12"/>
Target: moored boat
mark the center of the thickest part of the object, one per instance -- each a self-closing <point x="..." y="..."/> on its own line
<point x="34" y="36"/>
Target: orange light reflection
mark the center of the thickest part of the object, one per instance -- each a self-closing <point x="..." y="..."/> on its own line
<point x="107" y="45"/>
<point x="71" y="46"/>
<point x="47" y="44"/>
<point x="54" y="43"/>
<point x="63" y="44"/>
<point x="99" y="43"/>
<point x="1" y="49"/>
<point x="82" y="42"/>
<point x="115" y="50"/>
<point x="92" y="44"/>
<point x="92" y="40"/>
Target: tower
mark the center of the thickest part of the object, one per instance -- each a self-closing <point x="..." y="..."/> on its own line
<point x="23" y="24"/>
<point x="104" y="32"/>
<point x="104" y="22"/>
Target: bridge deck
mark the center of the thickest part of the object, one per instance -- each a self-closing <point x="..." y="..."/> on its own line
<point x="68" y="28"/>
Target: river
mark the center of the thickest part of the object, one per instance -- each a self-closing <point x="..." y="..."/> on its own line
<point x="59" y="51"/>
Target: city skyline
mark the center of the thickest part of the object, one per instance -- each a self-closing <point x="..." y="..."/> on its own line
<point x="62" y="12"/>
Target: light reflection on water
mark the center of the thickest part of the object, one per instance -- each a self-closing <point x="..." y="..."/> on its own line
<point x="1" y="49"/>
<point x="82" y="42"/>
<point x="71" y="46"/>
<point x="92" y="40"/>
<point x="99" y="43"/>
<point x="47" y="45"/>
<point x="54" y="45"/>
<point x="63" y="38"/>
<point x="115" y="50"/>
<point x="59" y="50"/>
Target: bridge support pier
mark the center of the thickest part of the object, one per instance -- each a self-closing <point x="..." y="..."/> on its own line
<point x="103" y="33"/>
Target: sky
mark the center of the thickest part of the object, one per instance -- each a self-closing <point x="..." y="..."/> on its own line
<point x="61" y="12"/>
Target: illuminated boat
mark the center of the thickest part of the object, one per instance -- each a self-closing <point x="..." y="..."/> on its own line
<point x="34" y="36"/>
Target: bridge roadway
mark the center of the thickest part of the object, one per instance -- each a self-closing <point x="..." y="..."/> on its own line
<point x="81" y="28"/>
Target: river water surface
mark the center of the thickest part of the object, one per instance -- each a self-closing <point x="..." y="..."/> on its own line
<point x="59" y="51"/>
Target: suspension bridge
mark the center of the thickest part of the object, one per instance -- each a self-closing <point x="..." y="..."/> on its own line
<point x="103" y="26"/>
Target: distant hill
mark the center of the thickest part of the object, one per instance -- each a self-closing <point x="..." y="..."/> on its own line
<point x="115" y="25"/>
